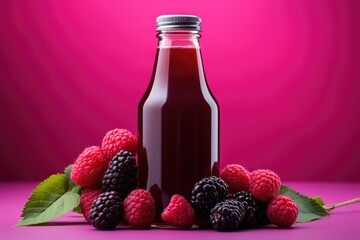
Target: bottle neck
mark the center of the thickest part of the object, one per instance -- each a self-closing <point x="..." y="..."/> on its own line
<point x="179" y="39"/>
<point x="178" y="68"/>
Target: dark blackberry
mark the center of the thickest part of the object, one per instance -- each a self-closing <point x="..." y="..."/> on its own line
<point x="261" y="217"/>
<point x="227" y="215"/>
<point x="206" y="193"/>
<point x="106" y="211"/>
<point x="248" y="200"/>
<point x="121" y="174"/>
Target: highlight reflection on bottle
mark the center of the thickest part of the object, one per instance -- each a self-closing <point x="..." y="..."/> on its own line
<point x="178" y="117"/>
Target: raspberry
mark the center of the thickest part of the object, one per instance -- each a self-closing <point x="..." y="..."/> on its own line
<point x="227" y="215"/>
<point x="87" y="198"/>
<point x="116" y="140"/>
<point x="237" y="177"/>
<point x="206" y="193"/>
<point x="179" y="212"/>
<point x="139" y="209"/>
<point x="264" y="184"/>
<point x="282" y="211"/>
<point x="121" y="174"/>
<point x="106" y="211"/>
<point x="248" y="200"/>
<point x="89" y="168"/>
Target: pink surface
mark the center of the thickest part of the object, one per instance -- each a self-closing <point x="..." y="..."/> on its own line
<point x="286" y="75"/>
<point x="342" y="224"/>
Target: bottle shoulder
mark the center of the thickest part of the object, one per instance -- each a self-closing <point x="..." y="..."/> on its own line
<point x="159" y="101"/>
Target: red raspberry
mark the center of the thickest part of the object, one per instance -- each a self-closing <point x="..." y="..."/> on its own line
<point x="116" y="140"/>
<point x="86" y="200"/>
<point x="179" y="212"/>
<point x="139" y="209"/>
<point x="237" y="177"/>
<point x="89" y="168"/>
<point x="264" y="184"/>
<point x="282" y="211"/>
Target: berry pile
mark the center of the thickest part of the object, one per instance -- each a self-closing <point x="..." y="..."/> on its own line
<point x="248" y="200"/>
<point x="109" y="176"/>
<point x="259" y="200"/>
<point x="237" y="199"/>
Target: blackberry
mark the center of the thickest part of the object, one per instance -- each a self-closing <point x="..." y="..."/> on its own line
<point x="261" y="217"/>
<point x="227" y="215"/>
<point x="206" y="193"/>
<point x="248" y="200"/>
<point x="107" y="211"/>
<point x="121" y="174"/>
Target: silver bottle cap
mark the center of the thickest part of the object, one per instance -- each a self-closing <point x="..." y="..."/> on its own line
<point x="178" y="22"/>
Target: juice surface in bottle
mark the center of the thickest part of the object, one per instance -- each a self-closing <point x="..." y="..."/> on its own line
<point x="178" y="117"/>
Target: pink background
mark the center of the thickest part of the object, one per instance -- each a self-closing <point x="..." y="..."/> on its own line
<point x="286" y="75"/>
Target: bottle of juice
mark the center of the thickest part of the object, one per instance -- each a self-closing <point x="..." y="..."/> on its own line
<point x="178" y="116"/>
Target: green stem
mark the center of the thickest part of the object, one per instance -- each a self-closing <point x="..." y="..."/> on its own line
<point x="337" y="205"/>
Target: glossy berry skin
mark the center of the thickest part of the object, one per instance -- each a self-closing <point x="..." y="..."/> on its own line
<point x="88" y="196"/>
<point x="248" y="200"/>
<point x="227" y="215"/>
<point x="121" y="174"/>
<point x="282" y="211"/>
<point x="107" y="211"/>
<point x="206" y="193"/>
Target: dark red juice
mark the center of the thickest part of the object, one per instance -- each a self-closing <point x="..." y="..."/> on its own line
<point x="177" y="118"/>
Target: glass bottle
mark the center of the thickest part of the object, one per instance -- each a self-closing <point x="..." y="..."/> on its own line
<point x="178" y="116"/>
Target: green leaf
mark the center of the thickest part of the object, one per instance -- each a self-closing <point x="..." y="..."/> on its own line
<point x="77" y="189"/>
<point x="67" y="173"/>
<point x="73" y="187"/>
<point x="49" y="200"/>
<point x="78" y="209"/>
<point x="309" y="209"/>
<point x="318" y="200"/>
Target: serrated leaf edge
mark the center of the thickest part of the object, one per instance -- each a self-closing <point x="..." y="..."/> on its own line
<point x="38" y="189"/>
<point x="298" y="196"/>
<point x="32" y="221"/>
